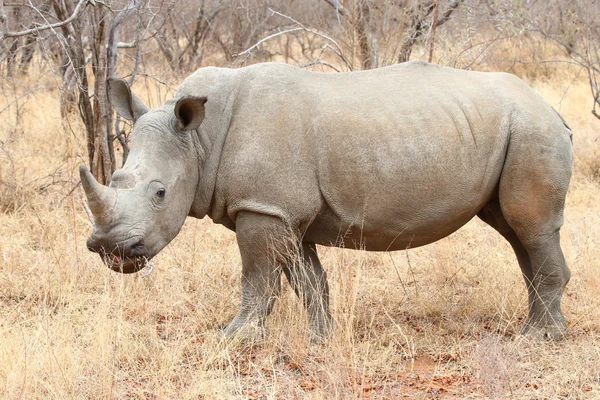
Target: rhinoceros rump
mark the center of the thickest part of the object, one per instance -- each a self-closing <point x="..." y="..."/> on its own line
<point x="379" y="160"/>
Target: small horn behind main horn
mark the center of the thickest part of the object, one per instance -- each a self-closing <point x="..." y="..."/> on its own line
<point x="100" y="198"/>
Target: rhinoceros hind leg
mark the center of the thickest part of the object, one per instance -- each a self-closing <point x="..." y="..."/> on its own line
<point x="492" y="215"/>
<point x="309" y="281"/>
<point x="532" y="195"/>
<point x="259" y="239"/>
<point x="545" y="273"/>
<point x="550" y="277"/>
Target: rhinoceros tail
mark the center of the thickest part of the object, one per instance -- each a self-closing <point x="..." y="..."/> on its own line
<point x="566" y="125"/>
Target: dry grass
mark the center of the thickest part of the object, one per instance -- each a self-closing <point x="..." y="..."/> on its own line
<point x="434" y="322"/>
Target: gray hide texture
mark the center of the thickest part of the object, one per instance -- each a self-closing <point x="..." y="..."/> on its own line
<point x="380" y="160"/>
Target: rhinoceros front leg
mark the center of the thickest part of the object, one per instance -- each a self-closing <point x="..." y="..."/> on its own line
<point x="260" y="238"/>
<point x="309" y="281"/>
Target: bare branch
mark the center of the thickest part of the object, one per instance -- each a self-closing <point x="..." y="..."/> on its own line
<point x="4" y="21"/>
<point x="338" y="7"/>
<point x="451" y="8"/>
<point x="113" y="37"/>
<point x="418" y="25"/>
<point x="583" y="60"/>
<point x="550" y="62"/>
<point x="319" y="62"/>
<point x="302" y="27"/>
<point x="255" y="45"/>
<point x="128" y="45"/>
<point x="35" y="89"/>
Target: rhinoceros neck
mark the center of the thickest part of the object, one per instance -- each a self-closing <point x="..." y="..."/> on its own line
<point x="219" y="86"/>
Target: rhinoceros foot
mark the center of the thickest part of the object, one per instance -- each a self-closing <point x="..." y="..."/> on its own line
<point x="248" y="333"/>
<point x="548" y="328"/>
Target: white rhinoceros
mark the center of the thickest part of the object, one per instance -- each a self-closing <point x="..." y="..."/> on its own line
<point x="379" y="160"/>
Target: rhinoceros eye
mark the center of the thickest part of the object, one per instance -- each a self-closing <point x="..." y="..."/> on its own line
<point x="160" y="193"/>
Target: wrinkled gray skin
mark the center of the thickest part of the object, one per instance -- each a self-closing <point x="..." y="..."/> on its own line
<point x="380" y="160"/>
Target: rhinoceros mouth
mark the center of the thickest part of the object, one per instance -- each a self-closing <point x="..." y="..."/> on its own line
<point x="128" y="265"/>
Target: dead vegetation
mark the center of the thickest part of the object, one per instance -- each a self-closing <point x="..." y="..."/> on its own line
<point x="435" y="322"/>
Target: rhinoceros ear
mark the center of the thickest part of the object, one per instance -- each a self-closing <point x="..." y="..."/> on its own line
<point x="124" y="101"/>
<point x="189" y="112"/>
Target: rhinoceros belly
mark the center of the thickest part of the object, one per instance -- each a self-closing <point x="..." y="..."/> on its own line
<point x="406" y="184"/>
<point x="375" y="230"/>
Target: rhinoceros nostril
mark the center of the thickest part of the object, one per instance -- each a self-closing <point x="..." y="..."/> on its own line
<point x="137" y="250"/>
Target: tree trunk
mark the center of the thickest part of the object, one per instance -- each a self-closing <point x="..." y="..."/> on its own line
<point x="418" y="24"/>
<point x="361" y="24"/>
<point x="11" y="56"/>
<point x="27" y="53"/>
<point x="30" y="42"/>
<point x="436" y="10"/>
<point x="94" y="108"/>
<point x="104" y="157"/>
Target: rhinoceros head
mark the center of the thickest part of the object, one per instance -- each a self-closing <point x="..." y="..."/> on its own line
<point x="147" y="201"/>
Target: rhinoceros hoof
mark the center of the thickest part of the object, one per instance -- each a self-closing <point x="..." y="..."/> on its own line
<point x="319" y="332"/>
<point x="248" y="333"/>
<point x="317" y="337"/>
<point x="545" y="331"/>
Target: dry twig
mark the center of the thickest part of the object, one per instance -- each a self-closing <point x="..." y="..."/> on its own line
<point x="4" y="21"/>
<point x="301" y="27"/>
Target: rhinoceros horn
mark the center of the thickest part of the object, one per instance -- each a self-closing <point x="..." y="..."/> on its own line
<point x="100" y="198"/>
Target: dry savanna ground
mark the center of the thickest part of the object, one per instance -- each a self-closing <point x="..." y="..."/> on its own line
<point x="440" y="321"/>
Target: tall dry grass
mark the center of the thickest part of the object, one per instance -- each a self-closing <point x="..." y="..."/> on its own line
<point x="434" y="322"/>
